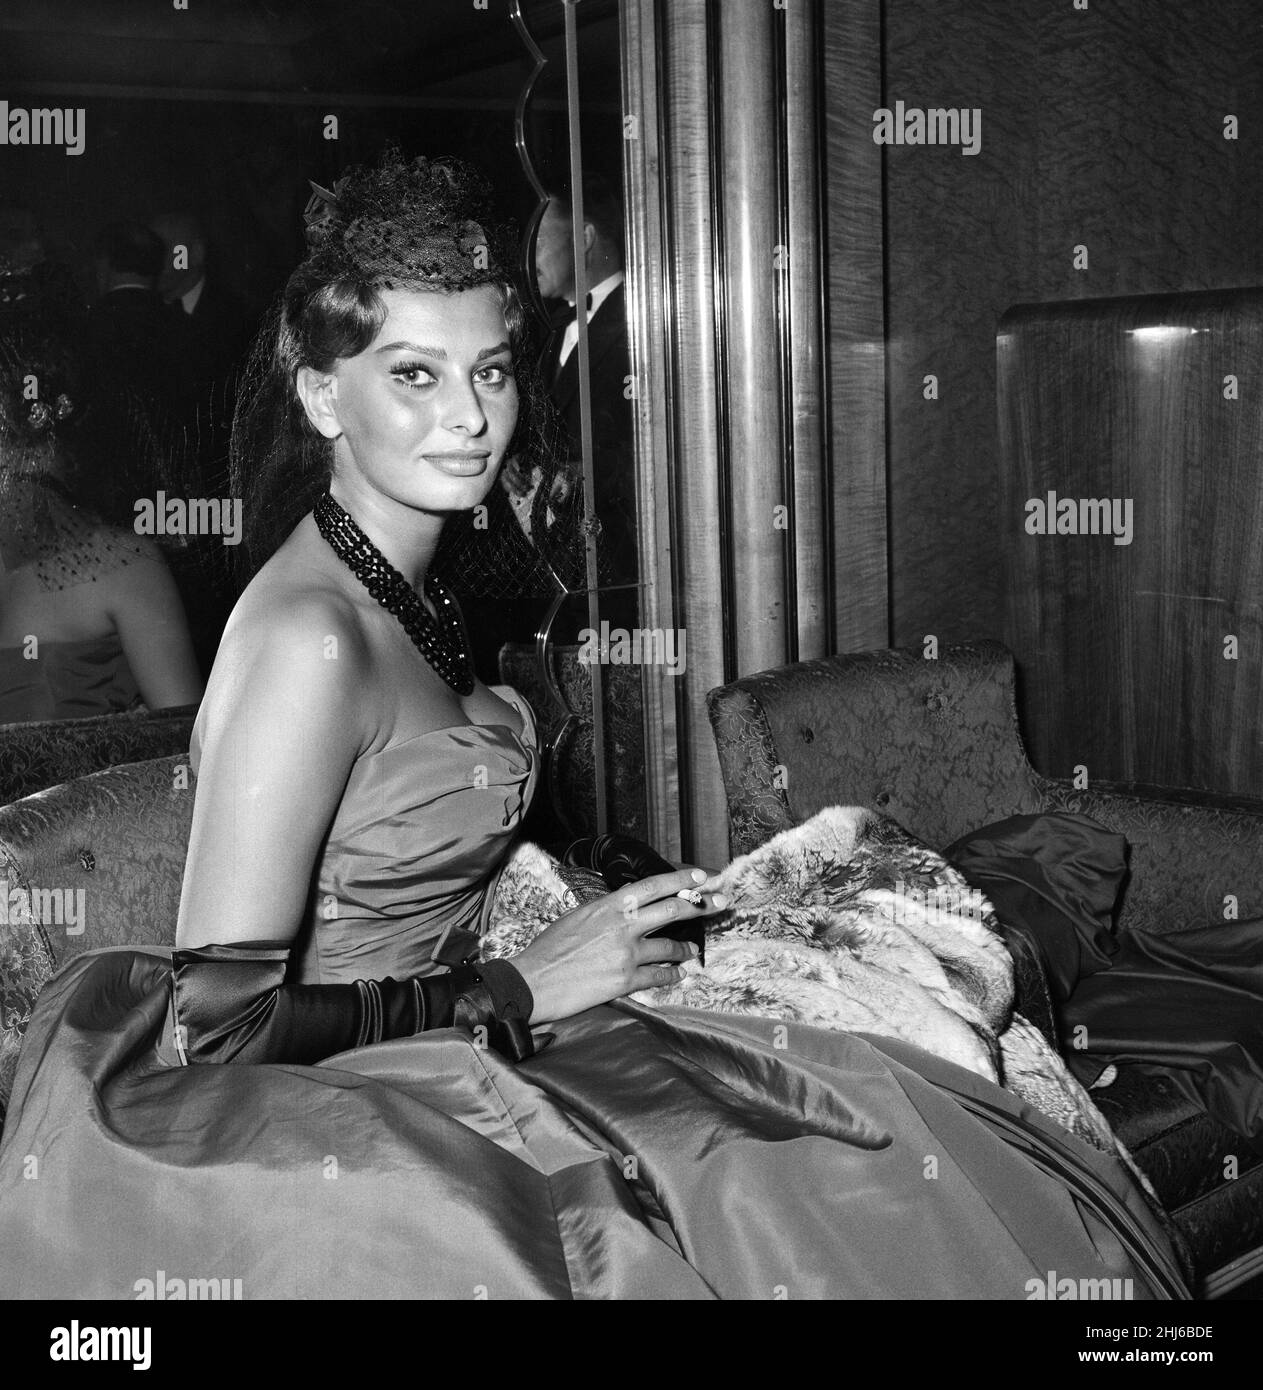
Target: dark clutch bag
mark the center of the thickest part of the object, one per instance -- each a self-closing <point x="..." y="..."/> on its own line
<point x="622" y="859"/>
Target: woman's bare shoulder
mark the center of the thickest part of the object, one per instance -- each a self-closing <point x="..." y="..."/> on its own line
<point x="296" y="599"/>
<point x="295" y="637"/>
<point x="287" y="608"/>
<point x="115" y="560"/>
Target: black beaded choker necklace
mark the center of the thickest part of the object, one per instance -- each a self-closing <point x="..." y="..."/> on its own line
<point x="442" y="643"/>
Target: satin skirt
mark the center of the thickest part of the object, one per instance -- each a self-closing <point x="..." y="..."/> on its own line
<point x="643" y="1154"/>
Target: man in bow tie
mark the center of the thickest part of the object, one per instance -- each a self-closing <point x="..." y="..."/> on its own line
<point x="609" y="370"/>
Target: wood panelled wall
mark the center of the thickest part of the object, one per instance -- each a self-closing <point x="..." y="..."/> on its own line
<point x="855" y="294"/>
<point x="1142" y="644"/>
<point x="1101" y="127"/>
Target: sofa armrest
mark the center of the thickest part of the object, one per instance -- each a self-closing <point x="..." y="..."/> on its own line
<point x="101" y="858"/>
<point x="46" y="753"/>
<point x="1196" y="859"/>
<point x="90" y="863"/>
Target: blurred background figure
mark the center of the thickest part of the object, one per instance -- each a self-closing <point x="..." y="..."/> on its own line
<point x="219" y="324"/>
<point x="218" y="330"/>
<point x="90" y="618"/>
<point x="138" y="338"/>
<point x="549" y="510"/>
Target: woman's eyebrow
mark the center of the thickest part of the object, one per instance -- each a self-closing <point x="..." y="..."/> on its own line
<point x="438" y="354"/>
<point x="418" y="348"/>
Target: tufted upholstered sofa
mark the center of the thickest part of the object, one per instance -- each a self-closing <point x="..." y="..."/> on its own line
<point x="120" y="835"/>
<point x="935" y="745"/>
<point x="41" y="754"/>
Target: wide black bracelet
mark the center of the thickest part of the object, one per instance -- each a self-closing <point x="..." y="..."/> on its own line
<point x="493" y="1002"/>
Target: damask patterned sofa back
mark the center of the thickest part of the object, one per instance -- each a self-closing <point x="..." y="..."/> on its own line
<point x="935" y="745"/>
<point x="932" y="743"/>
<point x="94" y="862"/>
<point x="42" y="754"/>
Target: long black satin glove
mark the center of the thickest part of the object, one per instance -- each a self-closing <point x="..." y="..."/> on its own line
<point x="232" y="1005"/>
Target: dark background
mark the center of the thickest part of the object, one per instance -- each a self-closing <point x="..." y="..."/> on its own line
<point x="220" y="109"/>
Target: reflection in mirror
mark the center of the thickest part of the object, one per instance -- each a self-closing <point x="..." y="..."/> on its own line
<point x="551" y="140"/>
<point x="154" y="249"/>
<point x="143" y="241"/>
<point x="587" y="375"/>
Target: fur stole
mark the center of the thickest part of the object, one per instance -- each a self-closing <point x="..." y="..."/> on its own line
<point x="843" y="922"/>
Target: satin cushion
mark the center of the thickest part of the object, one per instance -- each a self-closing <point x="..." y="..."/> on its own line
<point x="1057" y="875"/>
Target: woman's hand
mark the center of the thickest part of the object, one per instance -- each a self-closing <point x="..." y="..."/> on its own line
<point x="599" y="951"/>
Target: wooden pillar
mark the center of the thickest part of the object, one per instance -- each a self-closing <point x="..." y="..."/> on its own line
<point x="725" y="295"/>
<point x="649" y="328"/>
<point x="752" y="263"/>
<point x="804" y="319"/>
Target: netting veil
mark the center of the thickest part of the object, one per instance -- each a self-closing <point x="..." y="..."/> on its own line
<point x="49" y="461"/>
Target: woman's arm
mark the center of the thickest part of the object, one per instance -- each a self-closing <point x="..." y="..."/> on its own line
<point x="144" y="605"/>
<point x="284" y="721"/>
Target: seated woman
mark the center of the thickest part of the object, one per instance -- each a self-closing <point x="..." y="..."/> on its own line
<point x="357" y="794"/>
<point x="90" y="620"/>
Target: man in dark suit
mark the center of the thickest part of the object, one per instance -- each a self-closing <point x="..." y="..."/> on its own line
<point x="609" y="360"/>
<point x="149" y="434"/>
<point x="219" y="325"/>
<point x="141" y="353"/>
<point x="218" y="328"/>
<point x="140" y="339"/>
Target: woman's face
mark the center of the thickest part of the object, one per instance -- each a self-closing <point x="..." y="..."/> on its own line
<point x="427" y="410"/>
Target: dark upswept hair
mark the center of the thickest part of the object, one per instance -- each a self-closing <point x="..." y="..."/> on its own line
<point x="420" y="225"/>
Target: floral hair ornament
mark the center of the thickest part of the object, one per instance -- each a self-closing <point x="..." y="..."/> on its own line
<point x="41" y="415"/>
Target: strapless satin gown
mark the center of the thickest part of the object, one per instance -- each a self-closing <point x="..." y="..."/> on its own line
<point x="421" y="829"/>
<point x="69" y="680"/>
<point x="670" y="1154"/>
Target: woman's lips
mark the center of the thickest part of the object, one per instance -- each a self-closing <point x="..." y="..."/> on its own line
<point x="459" y="465"/>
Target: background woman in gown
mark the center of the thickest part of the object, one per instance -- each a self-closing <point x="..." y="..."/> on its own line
<point x="357" y="792"/>
<point x="90" y="620"/>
